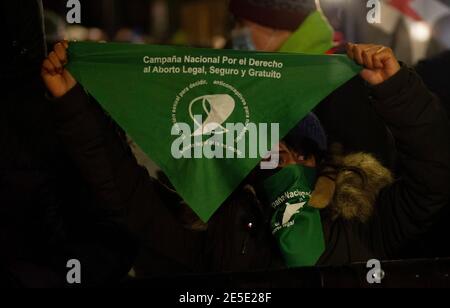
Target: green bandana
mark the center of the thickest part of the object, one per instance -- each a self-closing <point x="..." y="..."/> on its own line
<point x="177" y="103"/>
<point x="315" y="36"/>
<point x="297" y="227"/>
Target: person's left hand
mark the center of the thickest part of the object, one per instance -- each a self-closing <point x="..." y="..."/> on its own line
<point x="379" y="62"/>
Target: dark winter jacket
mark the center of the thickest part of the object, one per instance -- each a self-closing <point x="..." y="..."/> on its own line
<point x="48" y="215"/>
<point x="402" y="211"/>
<point x="349" y="119"/>
<point x="408" y="207"/>
<point x="434" y="72"/>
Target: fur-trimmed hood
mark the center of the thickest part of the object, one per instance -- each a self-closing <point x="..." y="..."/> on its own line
<point x="350" y="193"/>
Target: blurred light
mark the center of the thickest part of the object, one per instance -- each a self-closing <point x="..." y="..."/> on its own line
<point x="96" y="35"/>
<point x="218" y="42"/>
<point x="420" y="31"/>
<point x="77" y="33"/>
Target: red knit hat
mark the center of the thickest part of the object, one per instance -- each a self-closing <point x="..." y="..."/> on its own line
<point x="277" y="14"/>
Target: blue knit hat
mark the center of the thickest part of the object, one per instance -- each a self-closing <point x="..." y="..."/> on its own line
<point x="311" y="128"/>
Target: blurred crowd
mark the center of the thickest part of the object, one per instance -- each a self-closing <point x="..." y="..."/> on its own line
<point x="414" y="29"/>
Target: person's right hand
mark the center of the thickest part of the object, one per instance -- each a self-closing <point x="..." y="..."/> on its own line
<point x="56" y="78"/>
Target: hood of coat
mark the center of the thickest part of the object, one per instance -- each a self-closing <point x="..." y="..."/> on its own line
<point x="352" y="191"/>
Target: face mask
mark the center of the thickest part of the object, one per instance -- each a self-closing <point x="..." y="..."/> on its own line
<point x="242" y="39"/>
<point x="296" y="225"/>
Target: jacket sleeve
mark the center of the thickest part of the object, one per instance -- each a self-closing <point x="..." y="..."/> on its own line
<point x="421" y="130"/>
<point x="118" y="183"/>
<point x="93" y="142"/>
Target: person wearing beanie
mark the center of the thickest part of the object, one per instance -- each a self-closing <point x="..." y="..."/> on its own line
<point x="299" y="26"/>
<point x="314" y="209"/>
<point x="278" y="14"/>
<point x="281" y="25"/>
<point x="353" y="126"/>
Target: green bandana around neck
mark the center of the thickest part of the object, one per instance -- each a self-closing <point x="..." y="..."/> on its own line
<point x="314" y="36"/>
<point x="296" y="225"/>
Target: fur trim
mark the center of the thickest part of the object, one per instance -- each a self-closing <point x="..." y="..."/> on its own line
<point x="323" y="193"/>
<point x="356" y="192"/>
